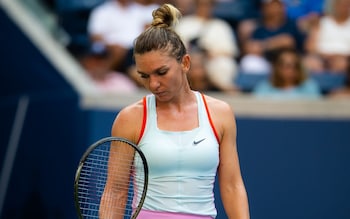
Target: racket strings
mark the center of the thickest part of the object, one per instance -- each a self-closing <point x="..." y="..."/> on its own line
<point x="120" y="199"/>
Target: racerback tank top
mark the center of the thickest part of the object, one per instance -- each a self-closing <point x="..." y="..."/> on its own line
<point x="182" y="164"/>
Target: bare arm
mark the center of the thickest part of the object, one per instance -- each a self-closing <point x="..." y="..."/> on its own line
<point x="278" y="41"/>
<point x="311" y="40"/>
<point x="232" y="189"/>
<point x="115" y="194"/>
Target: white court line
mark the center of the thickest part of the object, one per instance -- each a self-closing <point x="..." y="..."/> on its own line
<point x="12" y="148"/>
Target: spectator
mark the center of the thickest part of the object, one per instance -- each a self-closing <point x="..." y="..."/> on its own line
<point x="197" y="76"/>
<point x="328" y="44"/>
<point x="253" y="61"/>
<point x="215" y="37"/>
<point x="343" y="92"/>
<point x="186" y="7"/>
<point x="272" y="31"/>
<point x="233" y="11"/>
<point x="306" y="12"/>
<point x="288" y="79"/>
<point x="97" y="64"/>
<point x="116" y="23"/>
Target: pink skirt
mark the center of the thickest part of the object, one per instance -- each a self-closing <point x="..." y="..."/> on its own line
<point x="145" y="214"/>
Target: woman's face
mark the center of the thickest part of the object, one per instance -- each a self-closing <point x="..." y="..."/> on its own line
<point x="162" y="74"/>
<point x="273" y="9"/>
<point x="342" y="7"/>
<point x="287" y="68"/>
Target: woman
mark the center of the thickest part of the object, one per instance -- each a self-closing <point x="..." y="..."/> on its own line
<point x="288" y="78"/>
<point x="328" y="44"/>
<point x="343" y="91"/>
<point x="187" y="138"/>
<point x="215" y="38"/>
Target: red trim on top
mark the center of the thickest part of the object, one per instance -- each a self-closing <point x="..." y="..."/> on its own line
<point x="210" y="120"/>
<point x="144" y="119"/>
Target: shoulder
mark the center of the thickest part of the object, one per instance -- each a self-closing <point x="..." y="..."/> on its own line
<point x="263" y="86"/>
<point x="145" y="8"/>
<point x="103" y="10"/>
<point x="311" y="85"/>
<point x="290" y="23"/>
<point x="128" y="121"/>
<point x="188" y="20"/>
<point x="216" y="104"/>
<point x="220" y="111"/>
<point x="131" y="110"/>
<point x="326" y="20"/>
<point x="222" y="116"/>
<point x="260" y="32"/>
<point x="220" y="23"/>
<point x="103" y="7"/>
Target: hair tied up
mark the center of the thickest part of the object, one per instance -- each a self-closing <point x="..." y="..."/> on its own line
<point x="166" y="16"/>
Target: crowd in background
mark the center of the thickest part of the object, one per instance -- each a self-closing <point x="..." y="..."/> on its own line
<point x="284" y="46"/>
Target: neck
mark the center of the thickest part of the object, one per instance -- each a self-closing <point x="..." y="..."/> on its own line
<point x="274" y="22"/>
<point x="341" y="18"/>
<point x="179" y="102"/>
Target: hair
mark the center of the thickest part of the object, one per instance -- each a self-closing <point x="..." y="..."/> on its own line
<point x="276" y="79"/>
<point x="161" y="34"/>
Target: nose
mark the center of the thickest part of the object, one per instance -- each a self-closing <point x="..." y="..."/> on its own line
<point x="153" y="82"/>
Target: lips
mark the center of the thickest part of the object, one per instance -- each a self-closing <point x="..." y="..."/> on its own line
<point x="159" y="93"/>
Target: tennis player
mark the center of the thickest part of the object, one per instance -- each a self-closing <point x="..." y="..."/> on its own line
<point x="187" y="137"/>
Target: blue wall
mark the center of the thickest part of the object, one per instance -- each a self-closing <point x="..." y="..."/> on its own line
<point x="41" y="184"/>
<point x="42" y="176"/>
<point x="296" y="168"/>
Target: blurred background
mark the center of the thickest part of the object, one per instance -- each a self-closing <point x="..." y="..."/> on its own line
<point x="66" y="70"/>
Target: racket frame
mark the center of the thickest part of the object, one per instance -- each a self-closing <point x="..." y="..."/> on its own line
<point x="85" y="156"/>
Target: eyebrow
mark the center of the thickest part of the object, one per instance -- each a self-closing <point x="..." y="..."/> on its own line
<point x="154" y="71"/>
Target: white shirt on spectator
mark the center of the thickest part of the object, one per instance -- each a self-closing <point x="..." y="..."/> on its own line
<point x="120" y="25"/>
<point x="334" y="38"/>
<point x="215" y="35"/>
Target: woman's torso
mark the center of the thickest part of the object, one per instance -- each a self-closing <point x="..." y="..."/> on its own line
<point x="182" y="165"/>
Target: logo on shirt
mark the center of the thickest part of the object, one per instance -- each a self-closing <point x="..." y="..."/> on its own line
<point x="199" y="141"/>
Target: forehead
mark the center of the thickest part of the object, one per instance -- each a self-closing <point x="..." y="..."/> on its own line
<point x="271" y="3"/>
<point x="153" y="60"/>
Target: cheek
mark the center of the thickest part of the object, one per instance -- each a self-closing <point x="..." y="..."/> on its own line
<point x="174" y="80"/>
<point x="145" y="84"/>
<point x="289" y="74"/>
<point x="176" y="76"/>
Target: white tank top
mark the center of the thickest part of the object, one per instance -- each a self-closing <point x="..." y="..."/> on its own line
<point x="182" y="164"/>
<point x="334" y="38"/>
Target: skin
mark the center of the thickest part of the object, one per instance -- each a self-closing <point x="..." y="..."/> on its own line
<point x="336" y="62"/>
<point x="118" y="52"/>
<point x="287" y="70"/>
<point x="176" y="107"/>
<point x="273" y="17"/>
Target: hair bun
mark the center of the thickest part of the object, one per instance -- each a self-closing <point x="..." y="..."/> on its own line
<point x="166" y="16"/>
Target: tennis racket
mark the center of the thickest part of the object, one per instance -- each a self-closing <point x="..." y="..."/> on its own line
<point x="111" y="180"/>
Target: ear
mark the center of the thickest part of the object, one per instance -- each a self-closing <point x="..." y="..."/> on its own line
<point x="186" y="63"/>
